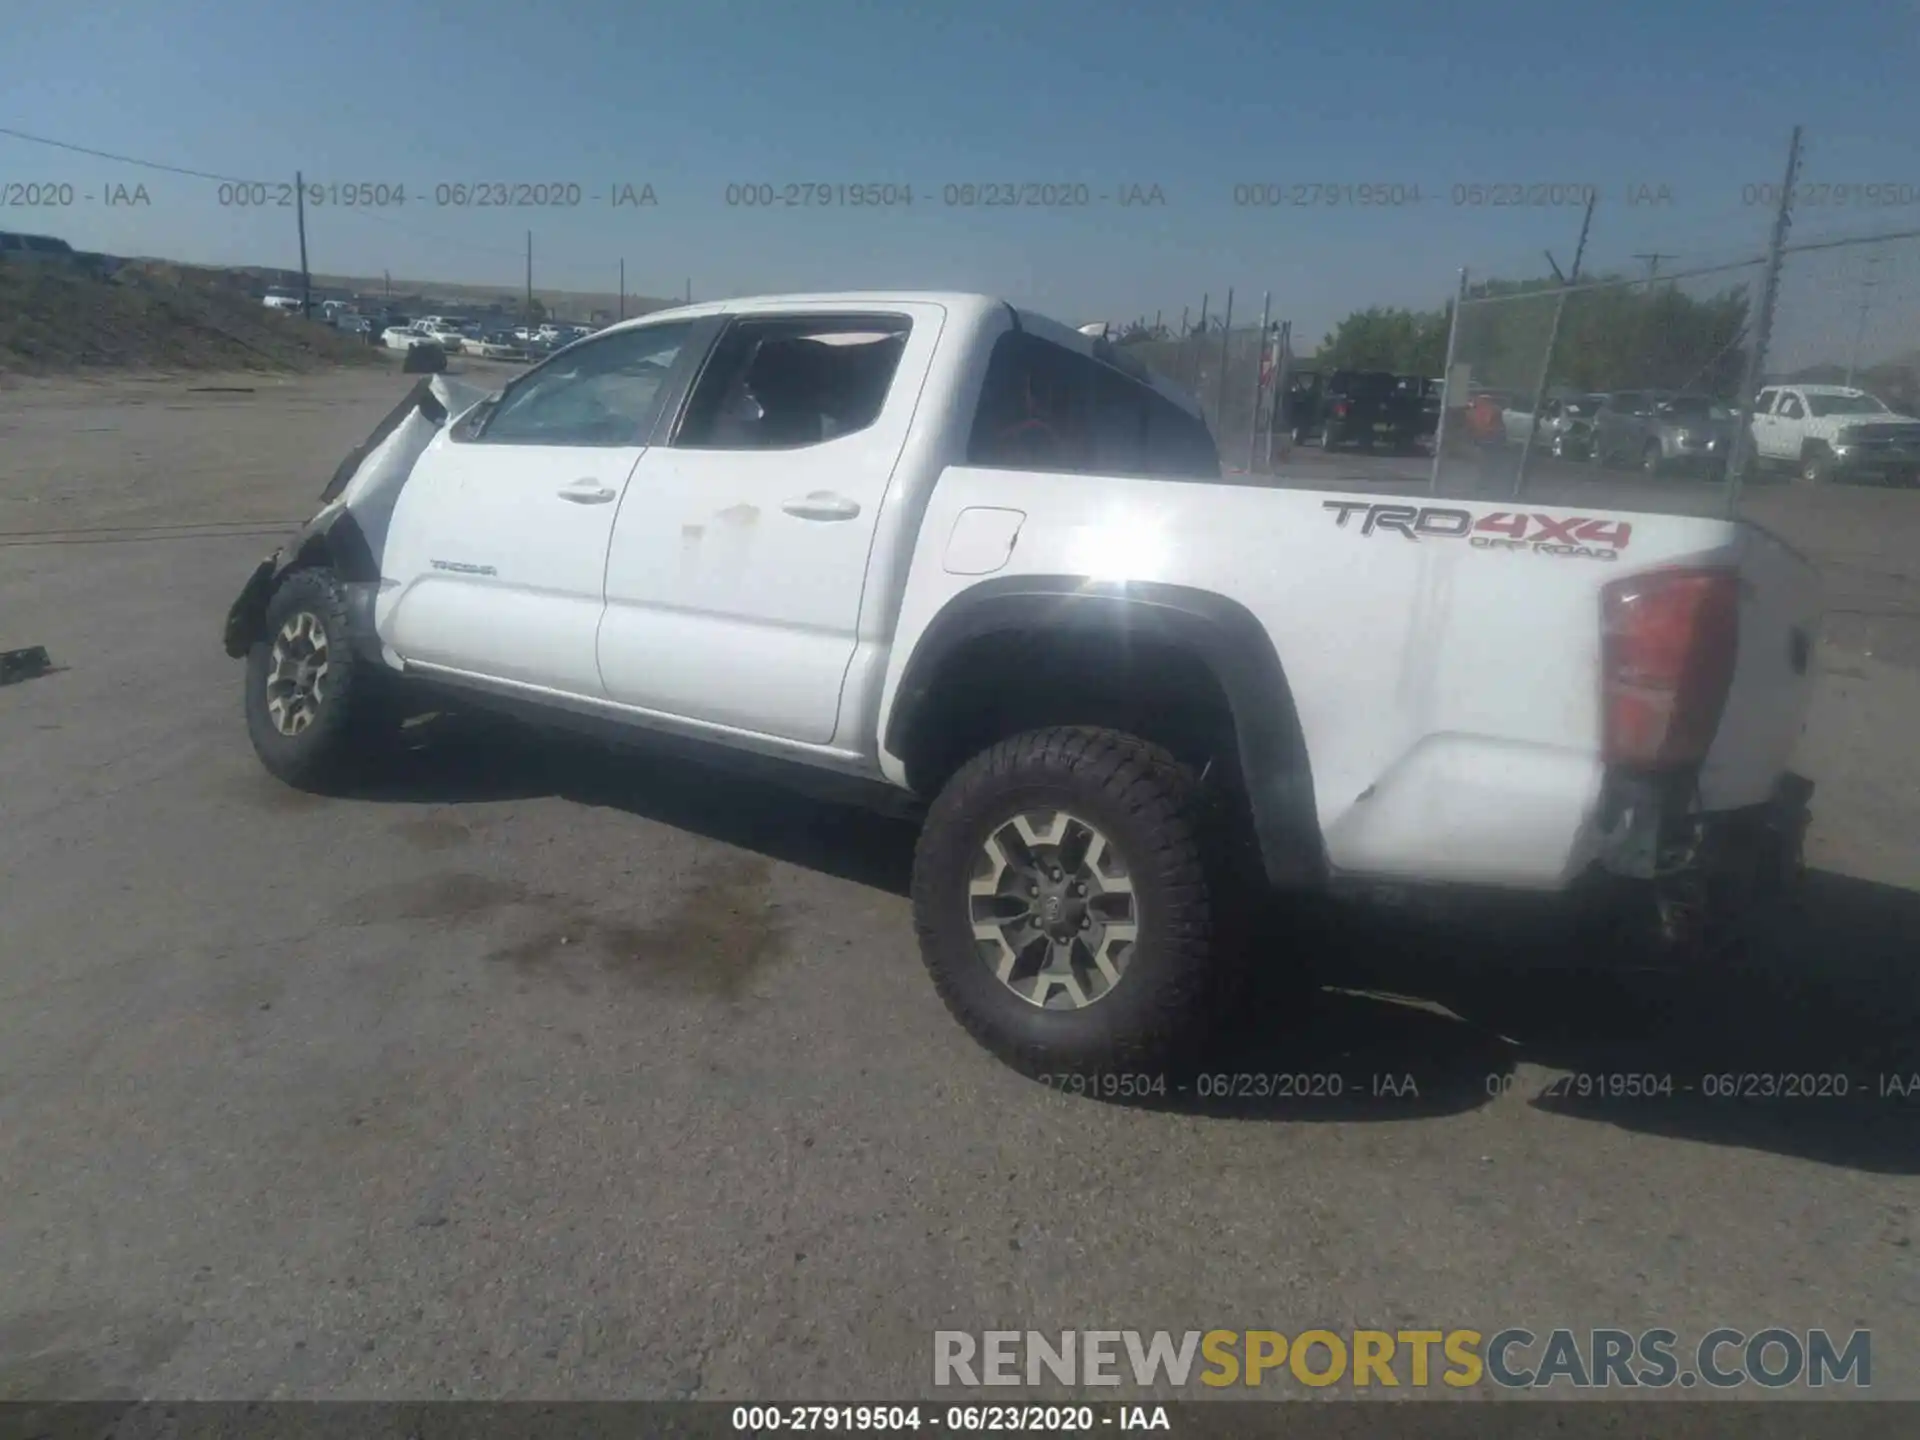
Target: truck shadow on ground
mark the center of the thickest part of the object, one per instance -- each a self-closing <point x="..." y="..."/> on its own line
<point x="1807" y="1045"/>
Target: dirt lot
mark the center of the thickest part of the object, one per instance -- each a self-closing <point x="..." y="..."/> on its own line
<point x="552" y="1075"/>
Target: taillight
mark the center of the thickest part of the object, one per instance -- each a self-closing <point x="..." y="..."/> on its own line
<point x="1668" y="642"/>
<point x="1340" y="408"/>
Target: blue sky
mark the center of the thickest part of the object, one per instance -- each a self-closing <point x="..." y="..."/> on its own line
<point x="1697" y="98"/>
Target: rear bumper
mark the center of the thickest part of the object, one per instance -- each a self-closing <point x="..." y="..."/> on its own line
<point x="1701" y="882"/>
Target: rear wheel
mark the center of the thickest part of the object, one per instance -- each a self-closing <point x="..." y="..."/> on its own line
<point x="1071" y="905"/>
<point x="1816" y="466"/>
<point x="315" y="710"/>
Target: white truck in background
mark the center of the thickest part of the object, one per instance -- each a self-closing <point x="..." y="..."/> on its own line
<point x="935" y="547"/>
<point x="1834" y="432"/>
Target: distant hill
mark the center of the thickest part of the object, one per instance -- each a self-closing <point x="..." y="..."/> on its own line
<point x="65" y="312"/>
<point x="572" y="306"/>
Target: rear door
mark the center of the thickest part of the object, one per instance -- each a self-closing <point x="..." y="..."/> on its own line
<point x="499" y="540"/>
<point x="739" y="558"/>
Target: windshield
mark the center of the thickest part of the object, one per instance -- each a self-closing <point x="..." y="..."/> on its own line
<point x="1846" y="405"/>
<point x="1692" y="407"/>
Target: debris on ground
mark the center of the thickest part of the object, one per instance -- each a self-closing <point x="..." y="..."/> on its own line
<point x="16" y="665"/>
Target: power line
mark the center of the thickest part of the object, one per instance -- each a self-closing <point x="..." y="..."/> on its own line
<point x="125" y="159"/>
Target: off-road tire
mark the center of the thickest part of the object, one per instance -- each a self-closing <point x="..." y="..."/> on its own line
<point x="1183" y="969"/>
<point x="356" y="715"/>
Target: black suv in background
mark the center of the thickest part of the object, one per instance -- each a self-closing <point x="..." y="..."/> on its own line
<point x="1355" y="407"/>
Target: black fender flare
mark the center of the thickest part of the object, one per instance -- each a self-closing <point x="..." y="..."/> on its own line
<point x="332" y="540"/>
<point x="1221" y="632"/>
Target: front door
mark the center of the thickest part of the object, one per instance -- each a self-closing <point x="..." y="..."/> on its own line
<point x="739" y="560"/>
<point x="1777" y="434"/>
<point x="499" y="539"/>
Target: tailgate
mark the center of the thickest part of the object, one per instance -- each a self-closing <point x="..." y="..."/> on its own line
<point x="1766" y="709"/>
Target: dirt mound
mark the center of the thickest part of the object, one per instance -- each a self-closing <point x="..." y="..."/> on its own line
<point x="57" y="316"/>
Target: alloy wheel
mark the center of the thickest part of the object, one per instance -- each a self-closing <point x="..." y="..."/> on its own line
<point x="1053" y="910"/>
<point x="296" y="680"/>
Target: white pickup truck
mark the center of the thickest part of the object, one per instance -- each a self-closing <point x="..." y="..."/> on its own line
<point x="939" y="546"/>
<point x="1829" y="432"/>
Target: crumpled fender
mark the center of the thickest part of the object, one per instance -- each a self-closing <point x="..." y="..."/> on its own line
<point x="348" y="533"/>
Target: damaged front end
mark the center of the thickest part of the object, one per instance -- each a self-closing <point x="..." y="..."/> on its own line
<point x="348" y="533"/>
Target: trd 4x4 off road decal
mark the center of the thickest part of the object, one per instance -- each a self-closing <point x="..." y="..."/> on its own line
<point x="1571" y="535"/>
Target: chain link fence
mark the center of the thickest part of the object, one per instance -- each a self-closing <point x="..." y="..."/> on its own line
<point x="1628" y="383"/>
<point x="1231" y="370"/>
<point x="1847" y="315"/>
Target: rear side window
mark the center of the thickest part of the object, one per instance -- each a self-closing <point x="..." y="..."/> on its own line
<point x="1044" y="407"/>
<point x="785" y="382"/>
<point x="1791" y="408"/>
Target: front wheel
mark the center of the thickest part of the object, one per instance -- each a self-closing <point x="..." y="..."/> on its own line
<point x="314" y="709"/>
<point x="1069" y="904"/>
<point x="1816" y="467"/>
<point x="1650" y="459"/>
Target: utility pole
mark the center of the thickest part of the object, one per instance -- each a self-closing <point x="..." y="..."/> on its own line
<point x="689" y="299"/>
<point x="623" y="288"/>
<point x="1276" y="403"/>
<point x="300" y="219"/>
<point x="529" y="279"/>
<point x="1653" y="259"/>
<point x="1220" y="385"/>
<point x="1447" y="396"/>
<point x="1553" y="340"/>
<point x="1259" y="376"/>
<point x="1738" y="461"/>
<point x="387" y="277"/>
<point x="1867" y="281"/>
<point x="1194" y="367"/>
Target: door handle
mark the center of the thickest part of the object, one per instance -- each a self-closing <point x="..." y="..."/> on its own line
<point x="587" y="492"/>
<point x="822" y="505"/>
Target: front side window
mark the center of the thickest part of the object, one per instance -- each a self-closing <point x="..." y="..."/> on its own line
<point x="1791" y="408"/>
<point x="604" y="392"/>
<point x="784" y="382"/>
<point x="1763" y="403"/>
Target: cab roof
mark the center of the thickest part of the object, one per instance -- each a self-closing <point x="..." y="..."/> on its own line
<point x="967" y="306"/>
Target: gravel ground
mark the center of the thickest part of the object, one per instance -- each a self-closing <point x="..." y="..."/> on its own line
<point x="550" y="1075"/>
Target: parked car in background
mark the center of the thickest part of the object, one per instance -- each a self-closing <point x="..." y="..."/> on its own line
<point x="500" y="345"/>
<point x="406" y="337"/>
<point x="1663" y="431"/>
<point x="1831" y="432"/>
<point x="1566" y="426"/>
<point x="1354" y="407"/>
<point x="360" y="327"/>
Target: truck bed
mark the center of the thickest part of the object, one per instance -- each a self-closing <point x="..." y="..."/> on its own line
<point x="1549" y="482"/>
